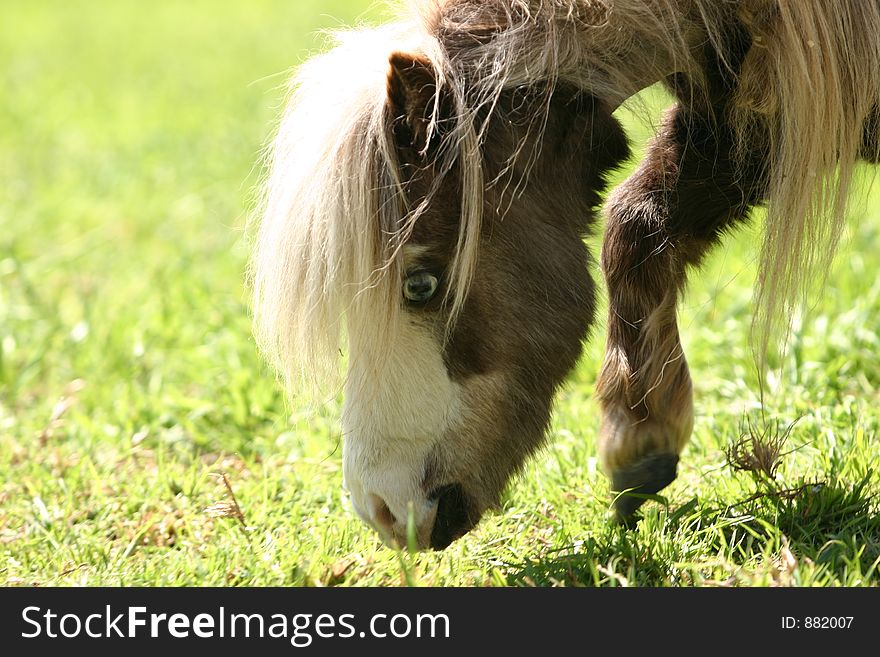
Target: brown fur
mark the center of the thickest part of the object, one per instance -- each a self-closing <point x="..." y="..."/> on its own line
<point x="531" y="301"/>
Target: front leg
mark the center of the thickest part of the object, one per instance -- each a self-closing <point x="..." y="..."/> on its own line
<point x="662" y="220"/>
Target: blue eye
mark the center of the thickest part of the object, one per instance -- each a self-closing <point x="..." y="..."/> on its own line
<point x="420" y="287"/>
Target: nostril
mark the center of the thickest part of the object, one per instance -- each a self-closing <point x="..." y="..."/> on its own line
<point x="454" y="515"/>
<point x="379" y="512"/>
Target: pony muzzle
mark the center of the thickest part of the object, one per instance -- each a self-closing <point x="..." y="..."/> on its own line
<point x="404" y="529"/>
<point x="431" y="521"/>
<point x="400" y="528"/>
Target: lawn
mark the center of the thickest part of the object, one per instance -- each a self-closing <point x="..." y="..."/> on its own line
<point x="133" y="402"/>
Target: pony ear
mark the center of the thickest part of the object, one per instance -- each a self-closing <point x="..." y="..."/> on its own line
<point x="412" y="91"/>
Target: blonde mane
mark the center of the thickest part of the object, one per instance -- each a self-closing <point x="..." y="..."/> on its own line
<point x="333" y="218"/>
<point x="809" y="83"/>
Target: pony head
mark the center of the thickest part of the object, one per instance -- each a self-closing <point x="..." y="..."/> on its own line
<point x="431" y="231"/>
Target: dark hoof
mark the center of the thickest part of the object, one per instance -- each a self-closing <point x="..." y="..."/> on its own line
<point x="645" y="477"/>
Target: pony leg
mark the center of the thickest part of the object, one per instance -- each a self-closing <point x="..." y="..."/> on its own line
<point x="662" y="220"/>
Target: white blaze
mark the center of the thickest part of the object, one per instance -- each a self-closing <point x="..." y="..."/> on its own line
<point x="398" y="405"/>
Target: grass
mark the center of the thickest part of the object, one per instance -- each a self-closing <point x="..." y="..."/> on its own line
<point x="133" y="405"/>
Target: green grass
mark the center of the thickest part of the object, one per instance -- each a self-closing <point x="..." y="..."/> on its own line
<point x="129" y="381"/>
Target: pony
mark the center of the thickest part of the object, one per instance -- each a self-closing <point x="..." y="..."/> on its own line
<point x="428" y="194"/>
